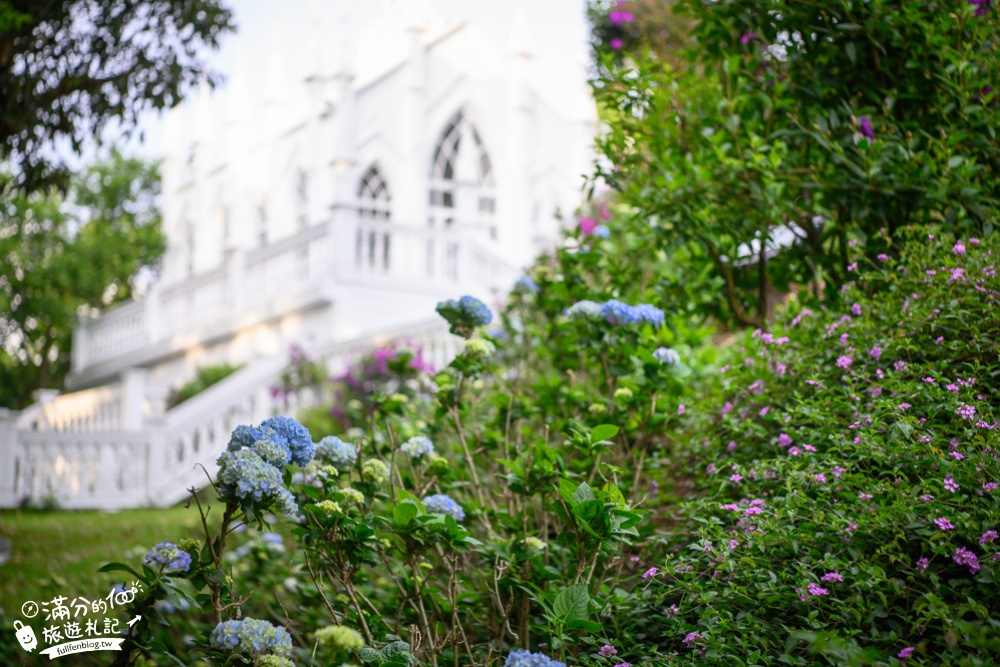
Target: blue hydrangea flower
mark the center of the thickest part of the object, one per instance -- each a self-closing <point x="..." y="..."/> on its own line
<point x="525" y="285"/>
<point x="584" y="310"/>
<point x="417" y="446"/>
<point x="602" y="232"/>
<point x="442" y="504"/>
<point x="251" y="637"/>
<point x="525" y="658"/>
<point x="618" y="312"/>
<point x="475" y="310"/>
<point x="666" y="355"/>
<point x="226" y="635"/>
<point x="272" y="451"/>
<point x="243" y="474"/>
<point x="243" y="437"/>
<point x="295" y="435"/>
<point x="170" y="556"/>
<point x="342" y="455"/>
<point x="645" y="312"/>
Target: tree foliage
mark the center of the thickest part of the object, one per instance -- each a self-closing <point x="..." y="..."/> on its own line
<point x="68" y="67"/>
<point x="61" y="257"/>
<point x="793" y="130"/>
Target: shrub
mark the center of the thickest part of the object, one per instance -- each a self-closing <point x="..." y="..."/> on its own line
<point x="204" y="378"/>
<point x="846" y="471"/>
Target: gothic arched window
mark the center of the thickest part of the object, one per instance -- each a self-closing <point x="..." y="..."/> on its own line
<point x="462" y="187"/>
<point x="374" y="199"/>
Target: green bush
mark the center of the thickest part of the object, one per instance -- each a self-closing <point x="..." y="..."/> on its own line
<point x="792" y="128"/>
<point x="204" y="378"/>
<point x="846" y="475"/>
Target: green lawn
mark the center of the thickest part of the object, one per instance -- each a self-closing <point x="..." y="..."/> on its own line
<point x="58" y="552"/>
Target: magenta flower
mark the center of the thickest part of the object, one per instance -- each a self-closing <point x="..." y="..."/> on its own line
<point x="816" y="590"/>
<point x="905" y="653"/>
<point x="784" y="440"/>
<point x="866" y="128"/>
<point x="982" y="6"/>
<point x="681" y="409"/>
<point x="831" y="577"/>
<point x="619" y="18"/>
<point x="587" y="225"/>
<point x="959" y="248"/>
<point x="616" y="44"/>
<point x="692" y="637"/>
<point x="651" y="572"/>
<point x="966" y="411"/>
<point x="748" y="37"/>
<point x="844" y="362"/>
<point x="607" y="650"/>
<point x="965" y="557"/>
<point x="950" y="484"/>
<point x="882" y="257"/>
<point x="944" y="524"/>
<point x="922" y="564"/>
<point x="988" y="536"/>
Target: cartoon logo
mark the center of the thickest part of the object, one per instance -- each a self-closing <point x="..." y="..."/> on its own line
<point x="25" y="636"/>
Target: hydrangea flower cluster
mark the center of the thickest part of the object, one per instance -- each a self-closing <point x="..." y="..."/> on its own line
<point x="525" y="285"/>
<point x="439" y="503"/>
<point x="250" y="468"/>
<point x="584" y="310"/>
<point x="616" y="312"/>
<point x="524" y="658"/>
<point x="479" y="347"/>
<point x="339" y="637"/>
<point x="169" y="556"/>
<point x="465" y="314"/>
<point x="245" y="475"/>
<point x="251" y="638"/>
<point x="375" y="471"/>
<point x="666" y="356"/>
<point x="418" y="446"/>
<point x="341" y="455"/>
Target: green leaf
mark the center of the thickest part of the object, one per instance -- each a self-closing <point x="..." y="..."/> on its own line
<point x="588" y="626"/>
<point x="583" y="493"/>
<point x="404" y="513"/>
<point x="121" y="567"/>
<point x="572" y="603"/>
<point x="603" y="432"/>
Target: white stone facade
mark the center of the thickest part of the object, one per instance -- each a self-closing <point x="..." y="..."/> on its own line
<point x="421" y="152"/>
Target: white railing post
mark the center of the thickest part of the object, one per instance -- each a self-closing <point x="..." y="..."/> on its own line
<point x="132" y="397"/>
<point x="153" y="315"/>
<point x="8" y="450"/>
<point x="78" y="360"/>
<point x="156" y="462"/>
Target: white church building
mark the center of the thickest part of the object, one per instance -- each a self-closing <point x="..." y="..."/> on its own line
<point x="418" y="150"/>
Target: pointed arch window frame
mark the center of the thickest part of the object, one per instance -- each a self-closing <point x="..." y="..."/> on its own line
<point x="374" y="209"/>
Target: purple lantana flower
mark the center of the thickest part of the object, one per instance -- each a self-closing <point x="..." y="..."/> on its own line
<point x="865" y="128"/>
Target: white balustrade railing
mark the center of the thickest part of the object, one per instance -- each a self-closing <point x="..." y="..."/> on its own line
<point x="393" y="253"/>
<point x="157" y="462"/>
